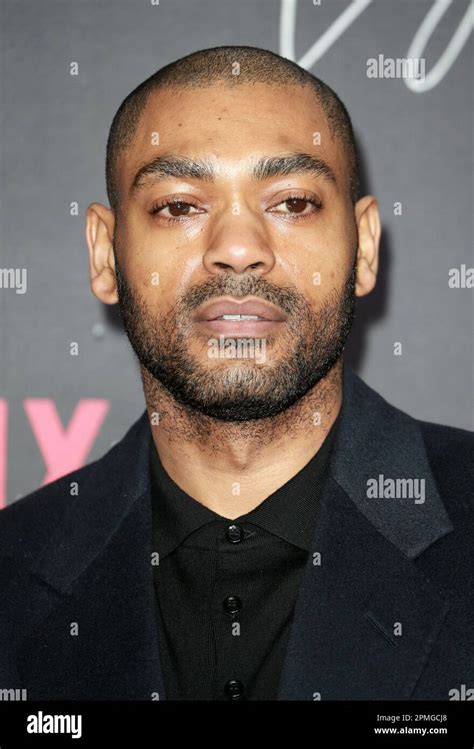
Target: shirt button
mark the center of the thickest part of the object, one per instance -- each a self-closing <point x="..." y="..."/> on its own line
<point x="234" y="534"/>
<point x="232" y="604"/>
<point x="234" y="689"/>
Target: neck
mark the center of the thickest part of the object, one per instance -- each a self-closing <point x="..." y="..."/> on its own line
<point x="231" y="467"/>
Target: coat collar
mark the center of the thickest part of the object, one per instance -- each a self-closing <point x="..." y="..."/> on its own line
<point x="378" y="440"/>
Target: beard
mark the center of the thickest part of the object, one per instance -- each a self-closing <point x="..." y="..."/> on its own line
<point x="306" y="350"/>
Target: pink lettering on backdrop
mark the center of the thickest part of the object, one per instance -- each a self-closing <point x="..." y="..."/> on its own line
<point x="64" y="450"/>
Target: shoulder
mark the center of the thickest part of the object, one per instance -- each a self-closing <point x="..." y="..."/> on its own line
<point x="450" y="452"/>
<point x="449" y="447"/>
<point x="379" y="431"/>
<point x="84" y="497"/>
<point x="26" y="524"/>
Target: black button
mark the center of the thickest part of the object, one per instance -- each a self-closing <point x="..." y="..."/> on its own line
<point x="234" y="689"/>
<point x="234" y="534"/>
<point x="232" y="604"/>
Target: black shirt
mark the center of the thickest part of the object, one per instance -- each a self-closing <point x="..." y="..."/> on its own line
<point x="226" y="589"/>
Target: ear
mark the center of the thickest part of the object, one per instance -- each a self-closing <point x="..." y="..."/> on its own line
<point x="100" y="222"/>
<point x="369" y="230"/>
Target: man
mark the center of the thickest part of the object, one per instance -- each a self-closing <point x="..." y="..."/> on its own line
<point x="270" y="528"/>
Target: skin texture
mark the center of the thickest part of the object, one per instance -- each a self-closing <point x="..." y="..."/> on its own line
<point x="267" y="249"/>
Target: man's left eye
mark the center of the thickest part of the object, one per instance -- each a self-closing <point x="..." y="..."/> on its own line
<point x="298" y="205"/>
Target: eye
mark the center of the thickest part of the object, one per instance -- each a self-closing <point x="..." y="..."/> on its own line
<point x="297" y="206"/>
<point x="178" y="209"/>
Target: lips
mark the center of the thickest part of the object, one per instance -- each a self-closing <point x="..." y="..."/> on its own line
<point x="235" y="311"/>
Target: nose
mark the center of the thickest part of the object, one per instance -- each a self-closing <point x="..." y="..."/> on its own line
<point x="238" y="244"/>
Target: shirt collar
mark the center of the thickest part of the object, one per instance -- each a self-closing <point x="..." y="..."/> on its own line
<point x="288" y="513"/>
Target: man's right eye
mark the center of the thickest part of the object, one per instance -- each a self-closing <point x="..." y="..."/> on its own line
<point x="177" y="209"/>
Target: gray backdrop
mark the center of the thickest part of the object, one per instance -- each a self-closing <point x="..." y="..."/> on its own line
<point x="416" y="146"/>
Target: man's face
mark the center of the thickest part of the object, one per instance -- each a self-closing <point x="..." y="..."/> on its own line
<point x="239" y="297"/>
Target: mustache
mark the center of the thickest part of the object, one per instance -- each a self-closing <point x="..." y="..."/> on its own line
<point x="287" y="298"/>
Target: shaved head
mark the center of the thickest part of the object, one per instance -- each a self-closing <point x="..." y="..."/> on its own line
<point x="230" y="66"/>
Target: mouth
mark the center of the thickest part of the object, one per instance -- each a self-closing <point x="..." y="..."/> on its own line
<point x="238" y="318"/>
<point x="252" y="317"/>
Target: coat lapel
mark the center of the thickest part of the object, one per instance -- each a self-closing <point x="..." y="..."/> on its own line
<point x="366" y="617"/>
<point x="92" y="594"/>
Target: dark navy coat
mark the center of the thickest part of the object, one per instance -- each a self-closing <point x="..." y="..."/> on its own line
<point x="387" y="614"/>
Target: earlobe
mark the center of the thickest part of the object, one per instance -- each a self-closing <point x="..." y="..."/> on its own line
<point x="369" y="232"/>
<point x="99" y="237"/>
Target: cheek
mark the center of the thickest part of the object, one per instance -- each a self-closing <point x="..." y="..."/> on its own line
<point x="319" y="276"/>
<point x="315" y="270"/>
<point x="322" y="256"/>
<point x="151" y="265"/>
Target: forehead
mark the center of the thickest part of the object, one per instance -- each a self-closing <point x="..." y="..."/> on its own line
<point x="230" y="123"/>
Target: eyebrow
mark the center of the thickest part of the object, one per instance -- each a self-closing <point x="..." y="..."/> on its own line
<point x="170" y="165"/>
